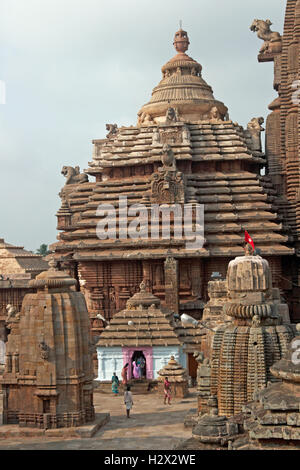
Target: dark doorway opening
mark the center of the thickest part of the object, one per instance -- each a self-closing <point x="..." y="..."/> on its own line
<point x="138" y="365"/>
<point x="192" y="367"/>
<point x="46" y="406"/>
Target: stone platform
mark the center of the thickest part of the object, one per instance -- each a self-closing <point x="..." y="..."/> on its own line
<point x="86" y="431"/>
<point x="152" y="426"/>
<point x="138" y="387"/>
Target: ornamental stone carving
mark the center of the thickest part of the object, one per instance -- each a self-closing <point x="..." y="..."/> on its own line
<point x="254" y="130"/>
<point x="272" y="40"/>
<point x="73" y="175"/>
<point x="172" y="115"/>
<point x="112" y="130"/>
<point x="167" y="184"/>
<point x="44" y="350"/>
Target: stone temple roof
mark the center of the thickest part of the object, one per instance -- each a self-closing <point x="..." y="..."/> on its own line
<point x="218" y="160"/>
<point x="16" y="262"/>
<point x="147" y="325"/>
<point x="233" y="201"/>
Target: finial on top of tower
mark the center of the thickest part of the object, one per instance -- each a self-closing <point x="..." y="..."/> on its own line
<point x="181" y="40"/>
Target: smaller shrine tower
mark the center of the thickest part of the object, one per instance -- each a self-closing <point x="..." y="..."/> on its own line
<point x="48" y="375"/>
<point x="244" y="350"/>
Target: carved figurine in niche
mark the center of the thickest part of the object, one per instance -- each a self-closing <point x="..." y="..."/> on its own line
<point x="167" y="156"/>
<point x="255" y="129"/>
<point x="44" y="350"/>
<point x="215" y="114"/>
<point x="12" y="313"/>
<point x="167" y="185"/>
<point x="112" y="130"/>
<point x="73" y="175"/>
<point x="112" y="298"/>
<point x="156" y="137"/>
<point x="263" y="30"/>
<point x="159" y="275"/>
<point x="144" y="119"/>
<point x="172" y="115"/>
<point x="186" y="136"/>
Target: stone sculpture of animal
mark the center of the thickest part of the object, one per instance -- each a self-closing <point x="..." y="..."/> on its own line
<point x="73" y="175"/>
<point x="263" y="30"/>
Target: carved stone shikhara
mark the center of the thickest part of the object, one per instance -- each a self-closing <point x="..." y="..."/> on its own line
<point x="47" y="382"/>
<point x="210" y="161"/>
<point x="243" y="351"/>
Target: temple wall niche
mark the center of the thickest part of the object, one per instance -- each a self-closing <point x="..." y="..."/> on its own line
<point x="292" y="162"/>
<point x="108" y="286"/>
<point x="273" y="144"/>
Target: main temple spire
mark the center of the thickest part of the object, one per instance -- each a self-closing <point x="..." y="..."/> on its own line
<point x="183" y="89"/>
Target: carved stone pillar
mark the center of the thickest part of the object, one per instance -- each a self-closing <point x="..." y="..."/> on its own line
<point x="171" y="284"/>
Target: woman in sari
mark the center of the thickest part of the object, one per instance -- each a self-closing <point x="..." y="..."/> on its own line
<point x="124" y="374"/>
<point x="115" y="384"/>
<point x="167" y="391"/>
<point x="135" y="372"/>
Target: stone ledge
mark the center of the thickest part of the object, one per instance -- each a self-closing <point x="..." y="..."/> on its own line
<point x="86" y="431"/>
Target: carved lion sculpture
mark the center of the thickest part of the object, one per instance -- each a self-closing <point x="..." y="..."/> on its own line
<point x="255" y="129"/>
<point x="263" y="30"/>
<point x="73" y="175"/>
<point x="172" y="115"/>
<point x="112" y="130"/>
<point x="167" y="156"/>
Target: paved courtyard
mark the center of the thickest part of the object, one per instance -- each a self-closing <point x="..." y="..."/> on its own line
<point x="153" y="426"/>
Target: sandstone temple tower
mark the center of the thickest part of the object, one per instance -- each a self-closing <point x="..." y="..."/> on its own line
<point x="282" y="135"/>
<point x="244" y="349"/>
<point x="184" y="149"/>
<point x="48" y="375"/>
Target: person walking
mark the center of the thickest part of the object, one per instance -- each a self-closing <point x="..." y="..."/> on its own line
<point x="115" y="384"/>
<point x="167" y="391"/>
<point x="128" y="401"/>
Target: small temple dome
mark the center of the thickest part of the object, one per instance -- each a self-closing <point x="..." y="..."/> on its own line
<point x="249" y="273"/>
<point x="249" y="283"/>
<point x="183" y="88"/>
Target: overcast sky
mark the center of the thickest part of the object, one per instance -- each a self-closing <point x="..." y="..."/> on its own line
<point x="71" y="66"/>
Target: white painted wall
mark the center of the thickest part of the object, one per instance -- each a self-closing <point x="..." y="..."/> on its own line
<point x="161" y="357"/>
<point x="110" y="360"/>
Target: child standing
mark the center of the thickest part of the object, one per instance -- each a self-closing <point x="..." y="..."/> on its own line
<point x="128" y="400"/>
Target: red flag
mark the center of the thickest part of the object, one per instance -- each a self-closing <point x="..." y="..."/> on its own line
<point x="249" y="240"/>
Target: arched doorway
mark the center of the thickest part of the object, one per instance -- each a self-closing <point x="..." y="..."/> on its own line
<point x="138" y="365"/>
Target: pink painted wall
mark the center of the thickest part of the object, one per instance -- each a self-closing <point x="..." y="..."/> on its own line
<point x="148" y="353"/>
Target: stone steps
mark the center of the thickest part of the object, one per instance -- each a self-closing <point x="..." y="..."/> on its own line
<point x="138" y="387"/>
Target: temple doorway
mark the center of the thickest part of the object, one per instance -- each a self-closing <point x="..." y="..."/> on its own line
<point x="192" y="368"/>
<point x="138" y="365"/>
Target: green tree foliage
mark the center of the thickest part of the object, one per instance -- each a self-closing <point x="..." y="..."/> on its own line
<point x="43" y="250"/>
